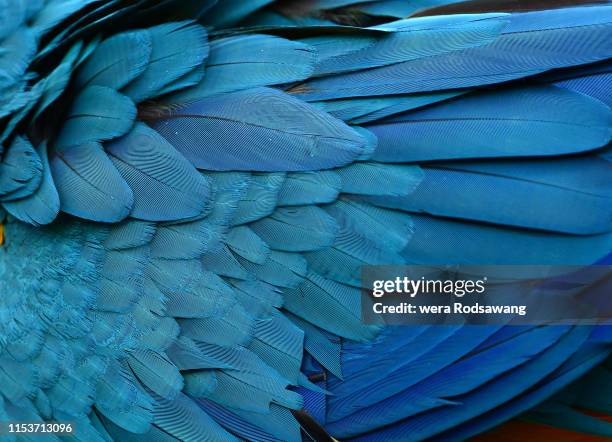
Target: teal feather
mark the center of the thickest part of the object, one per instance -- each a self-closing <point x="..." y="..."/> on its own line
<point x="224" y="263"/>
<point x="379" y="179"/>
<point x="16" y="53"/>
<point x="280" y="269"/>
<point x="247" y="244"/>
<point x="247" y="61"/>
<point x="260" y="199"/>
<point x="57" y="81"/>
<point x="183" y="419"/>
<point x="89" y="185"/>
<point x="324" y="350"/>
<point x="278" y="342"/>
<point x="411" y="40"/>
<point x="297" y="229"/>
<point x="200" y="383"/>
<point x="187" y="355"/>
<point x="12" y="16"/>
<point x="165" y="186"/>
<point x="156" y="372"/>
<point x="130" y="233"/>
<point x="187" y="240"/>
<point x="329" y="305"/>
<point x="231" y="12"/>
<point x="265" y="295"/>
<point x="21" y="171"/>
<point x="43" y="205"/>
<point x="116" y="61"/>
<point x="177" y="48"/>
<point x="253" y="385"/>
<point x="300" y="189"/>
<point x="90" y="121"/>
<point x="121" y="400"/>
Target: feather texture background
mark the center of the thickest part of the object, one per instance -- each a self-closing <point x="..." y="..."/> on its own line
<point x="190" y="189"/>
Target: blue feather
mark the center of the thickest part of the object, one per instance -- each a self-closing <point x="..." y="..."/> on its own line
<point x="245" y="243"/>
<point x="261" y="297"/>
<point x="592" y="80"/>
<point x="260" y="199"/>
<point x="230" y="328"/>
<point x="156" y="372"/>
<point x="407" y="40"/>
<point x="552" y="35"/>
<point x="366" y="236"/>
<point x="278" y="342"/>
<point x="438" y="240"/>
<point x="301" y="189"/>
<point x="400" y="8"/>
<point x="57" y="81"/>
<point x="380" y="179"/>
<point x="490" y="395"/>
<point x="116" y="61"/>
<point x="188" y="240"/>
<point x="16" y="53"/>
<point x="185" y="420"/>
<point x="177" y="48"/>
<point x="297" y="229"/>
<point x="514" y="122"/>
<point x="372" y="396"/>
<point x="366" y="110"/>
<point x="247" y="61"/>
<point x="242" y="427"/>
<point x="188" y="80"/>
<point x="165" y="186"/>
<point x="121" y="399"/>
<point x="97" y="114"/>
<point x="223" y="262"/>
<point x="570" y="195"/>
<point x="130" y="233"/>
<point x="89" y="185"/>
<point x="11" y="17"/>
<point x="280" y="269"/>
<point x="319" y="344"/>
<point x="186" y="354"/>
<point x="200" y="383"/>
<point x="286" y="134"/>
<point x="253" y="385"/>
<point x="21" y="171"/>
<point x="329" y="305"/>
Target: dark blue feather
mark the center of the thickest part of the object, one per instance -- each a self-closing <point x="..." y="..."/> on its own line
<point x="437" y="240"/>
<point x="286" y="134"/>
<point x="513" y="122"/>
<point x="532" y="43"/>
<point x="490" y="395"/>
<point x="571" y="195"/>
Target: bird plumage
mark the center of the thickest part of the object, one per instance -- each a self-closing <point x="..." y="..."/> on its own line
<point x="192" y="188"/>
